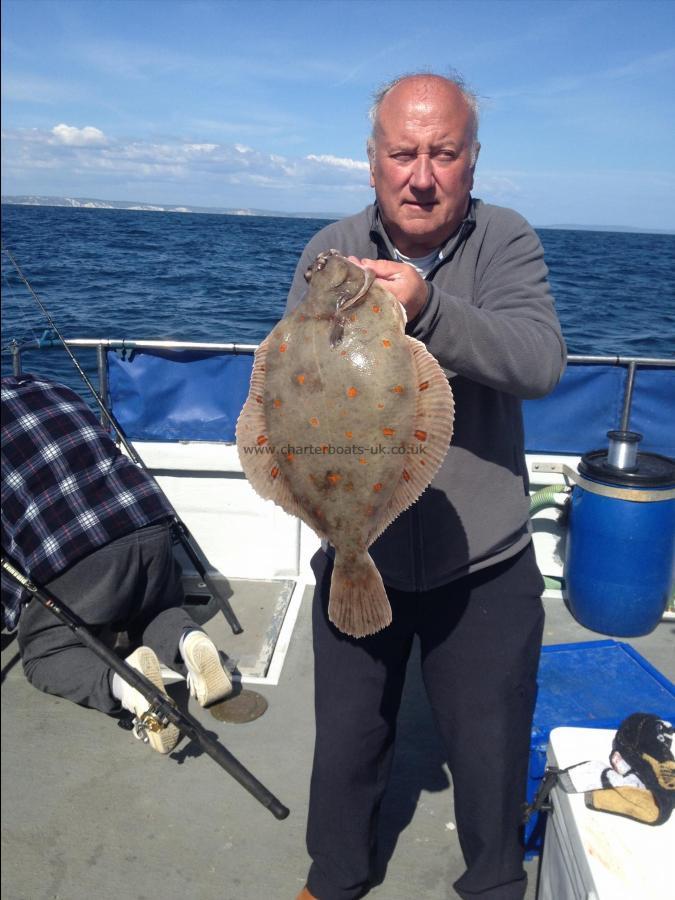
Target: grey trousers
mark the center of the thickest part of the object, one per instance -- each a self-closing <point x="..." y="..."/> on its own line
<point x="132" y="584"/>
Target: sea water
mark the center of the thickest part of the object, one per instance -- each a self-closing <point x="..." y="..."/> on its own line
<point x="110" y="273"/>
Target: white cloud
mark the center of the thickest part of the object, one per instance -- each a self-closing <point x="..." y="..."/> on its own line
<point x="85" y="162"/>
<point x="497" y="187"/>
<point x="202" y="148"/>
<point x="78" y="137"/>
<point x="339" y="162"/>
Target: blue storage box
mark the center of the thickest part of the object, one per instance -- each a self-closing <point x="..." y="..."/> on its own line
<point x="589" y="685"/>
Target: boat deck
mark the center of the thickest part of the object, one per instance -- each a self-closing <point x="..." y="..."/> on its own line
<point x="87" y="811"/>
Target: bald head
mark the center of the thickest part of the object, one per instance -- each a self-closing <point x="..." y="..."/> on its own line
<point x="453" y="91"/>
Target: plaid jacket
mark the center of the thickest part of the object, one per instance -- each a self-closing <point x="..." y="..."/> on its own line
<point x="66" y="488"/>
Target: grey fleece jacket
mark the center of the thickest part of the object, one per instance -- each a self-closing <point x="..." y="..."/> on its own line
<point x="490" y="321"/>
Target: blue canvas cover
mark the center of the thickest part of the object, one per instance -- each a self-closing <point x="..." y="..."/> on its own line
<point x="178" y="395"/>
<point x="653" y="410"/>
<point x="160" y="395"/>
<point x="588" y="402"/>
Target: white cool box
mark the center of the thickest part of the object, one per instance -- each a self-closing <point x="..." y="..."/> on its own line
<point x="591" y="855"/>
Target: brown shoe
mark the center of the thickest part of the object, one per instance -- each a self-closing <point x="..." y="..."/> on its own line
<point x="305" y="895"/>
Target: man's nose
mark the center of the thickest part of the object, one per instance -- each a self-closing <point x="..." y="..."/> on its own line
<point x="422" y="176"/>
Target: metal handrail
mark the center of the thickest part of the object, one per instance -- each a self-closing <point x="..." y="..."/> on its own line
<point x="47" y="342"/>
<point x="621" y="360"/>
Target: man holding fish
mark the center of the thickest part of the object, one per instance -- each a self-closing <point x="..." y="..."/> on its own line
<point x="458" y="564"/>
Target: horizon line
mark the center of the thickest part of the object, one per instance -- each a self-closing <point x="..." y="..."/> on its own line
<point x="73" y="202"/>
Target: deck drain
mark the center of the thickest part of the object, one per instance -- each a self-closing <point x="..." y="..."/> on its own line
<point x="243" y="706"/>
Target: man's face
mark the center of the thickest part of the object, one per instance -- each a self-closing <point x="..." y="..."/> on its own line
<point x="422" y="169"/>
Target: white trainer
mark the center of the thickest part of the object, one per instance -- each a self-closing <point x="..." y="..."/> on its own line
<point x="208" y="680"/>
<point x="145" y="661"/>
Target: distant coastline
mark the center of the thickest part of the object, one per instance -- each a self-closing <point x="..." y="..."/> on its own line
<point x="92" y="203"/>
<point x="627" y="229"/>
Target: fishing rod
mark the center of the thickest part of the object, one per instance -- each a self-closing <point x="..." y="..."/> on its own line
<point x="163" y="710"/>
<point x="180" y="529"/>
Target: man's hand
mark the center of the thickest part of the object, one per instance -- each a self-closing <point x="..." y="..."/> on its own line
<point x="400" y="279"/>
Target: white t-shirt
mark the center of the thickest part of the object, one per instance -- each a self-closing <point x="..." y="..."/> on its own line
<point x="423" y="264"/>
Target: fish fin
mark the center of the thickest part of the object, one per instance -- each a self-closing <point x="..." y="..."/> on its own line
<point x="431" y="435"/>
<point x="258" y="458"/>
<point x="255" y="454"/>
<point x="358" y="603"/>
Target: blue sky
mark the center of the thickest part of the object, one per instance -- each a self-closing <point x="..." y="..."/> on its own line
<point x="250" y="103"/>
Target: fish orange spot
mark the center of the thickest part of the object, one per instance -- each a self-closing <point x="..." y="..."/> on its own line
<point x="334" y="477"/>
<point x="324" y="448"/>
<point x="261" y="439"/>
<point x="352" y="392"/>
<point x="399" y="389"/>
<point x="378" y="487"/>
<point x="290" y="457"/>
<point x="375" y="309"/>
<point x="314" y="422"/>
<point x="300" y="379"/>
<point x="343" y="352"/>
<point x="406" y="475"/>
<point x="277" y="403"/>
<point x="275" y="471"/>
<point x="424" y="385"/>
<point x="380" y="405"/>
<point x="364" y="462"/>
<point x="388" y="432"/>
<point x="283" y="348"/>
<point x="349" y="434"/>
<point x="258" y="399"/>
<point x="421" y="435"/>
<point x="352" y="318"/>
<point x="386" y="343"/>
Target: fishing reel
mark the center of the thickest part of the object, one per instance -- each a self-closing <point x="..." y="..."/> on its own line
<point x="151" y="720"/>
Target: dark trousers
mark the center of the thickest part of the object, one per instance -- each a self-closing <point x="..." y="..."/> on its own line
<point x="132" y="584"/>
<point x="480" y="639"/>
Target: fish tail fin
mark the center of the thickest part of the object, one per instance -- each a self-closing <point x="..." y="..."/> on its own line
<point x="358" y="603"/>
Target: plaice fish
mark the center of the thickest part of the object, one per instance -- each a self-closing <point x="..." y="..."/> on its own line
<point x="346" y="422"/>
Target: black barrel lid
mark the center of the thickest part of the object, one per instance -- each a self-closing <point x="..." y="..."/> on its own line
<point x="651" y="471"/>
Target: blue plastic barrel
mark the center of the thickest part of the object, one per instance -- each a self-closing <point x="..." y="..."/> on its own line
<point x="621" y="544"/>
